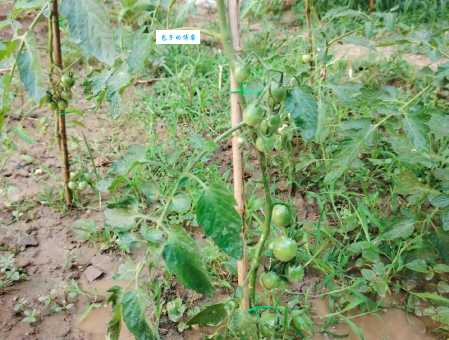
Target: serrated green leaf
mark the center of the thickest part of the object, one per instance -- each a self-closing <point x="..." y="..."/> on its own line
<point x="154" y="236"/>
<point x="140" y="51"/>
<point x="90" y="28"/>
<point x="439" y="125"/>
<point x="134" y="317"/>
<point x="439" y="201"/>
<point x="121" y="219"/>
<point x="400" y="230"/>
<point x="29" y="68"/>
<point x="418" y="265"/>
<point x="441" y="268"/>
<point x="416" y="131"/>
<point x="216" y="214"/>
<point x="210" y="316"/>
<point x="136" y="153"/>
<point x="182" y="258"/>
<point x="369" y="274"/>
<point x="304" y="109"/>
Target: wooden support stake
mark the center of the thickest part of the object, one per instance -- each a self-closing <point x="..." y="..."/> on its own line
<point x="62" y="133"/>
<point x="237" y="157"/>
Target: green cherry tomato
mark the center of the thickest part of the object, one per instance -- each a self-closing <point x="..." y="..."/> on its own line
<point x="243" y="325"/>
<point x="53" y="106"/>
<point x="241" y="72"/>
<point x="253" y="115"/>
<point x="82" y="185"/>
<point x="278" y="93"/>
<point x="302" y="323"/>
<point x="284" y="249"/>
<point x="72" y="185"/>
<point x="306" y="58"/>
<point x="67" y="80"/>
<point x="295" y="274"/>
<point x="181" y="203"/>
<point x="268" y="323"/>
<point x="264" y="144"/>
<point x="281" y="216"/>
<point x="269" y="280"/>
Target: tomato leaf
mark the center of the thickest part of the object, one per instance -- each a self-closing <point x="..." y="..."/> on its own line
<point x="89" y="27"/>
<point x="121" y="219"/>
<point x="30" y="70"/>
<point x="403" y="229"/>
<point x="216" y="214"/>
<point x="304" y="109"/>
<point x="439" y="125"/>
<point x="210" y="316"/>
<point x="134" y="317"/>
<point x="114" y="325"/>
<point x="416" y="131"/>
<point x="418" y="265"/>
<point x="182" y="258"/>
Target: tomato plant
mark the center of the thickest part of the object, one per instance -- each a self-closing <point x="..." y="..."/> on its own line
<point x="339" y="167"/>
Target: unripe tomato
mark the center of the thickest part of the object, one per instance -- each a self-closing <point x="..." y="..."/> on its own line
<point x="302" y="323"/>
<point x="82" y="185"/>
<point x="306" y="58"/>
<point x="268" y="323"/>
<point x="281" y="216"/>
<point x="241" y="72"/>
<point x="243" y="325"/>
<point x="284" y="249"/>
<point x="278" y="93"/>
<point x="181" y="203"/>
<point x="72" y="185"/>
<point x="264" y="144"/>
<point x="67" y="80"/>
<point x="269" y="280"/>
<point x="253" y="115"/>
<point x="295" y="274"/>
<point x="53" y="106"/>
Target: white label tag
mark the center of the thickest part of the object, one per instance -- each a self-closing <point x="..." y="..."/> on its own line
<point x="178" y="37"/>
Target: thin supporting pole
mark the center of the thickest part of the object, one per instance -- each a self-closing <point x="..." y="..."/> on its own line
<point x="61" y="115"/>
<point x="237" y="157"/>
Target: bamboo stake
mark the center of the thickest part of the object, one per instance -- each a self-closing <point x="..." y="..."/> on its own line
<point x="62" y="133"/>
<point x="231" y="44"/>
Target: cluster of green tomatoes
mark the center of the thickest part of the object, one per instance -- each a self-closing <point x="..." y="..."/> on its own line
<point x="265" y="120"/>
<point x="59" y="99"/>
<point x="79" y="181"/>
